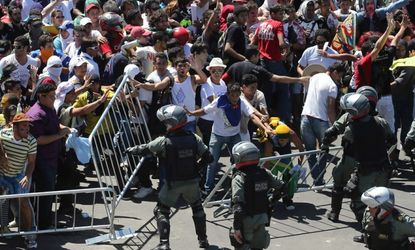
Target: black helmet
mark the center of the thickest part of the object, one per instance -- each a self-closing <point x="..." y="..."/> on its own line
<point x="110" y="22"/>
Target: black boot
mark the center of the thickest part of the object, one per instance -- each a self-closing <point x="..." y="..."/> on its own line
<point x="162" y="246"/>
<point x="200" y="226"/>
<point x="163" y="225"/>
<point x="336" y="204"/>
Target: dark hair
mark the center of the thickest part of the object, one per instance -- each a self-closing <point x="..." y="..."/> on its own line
<point x="324" y="33"/>
<point x="240" y="9"/>
<point x="233" y="87"/>
<point x="45" y="39"/>
<point x="172" y="42"/>
<point x="79" y="28"/>
<point x="367" y="47"/>
<point x="45" y="88"/>
<point x="249" y="79"/>
<point x="161" y="56"/>
<point x="159" y="36"/>
<point x="289" y="9"/>
<point x="198" y="48"/>
<point x="251" y="51"/>
<point x="87" y="43"/>
<point x="251" y="5"/>
<point x="8" y="70"/>
<point x="180" y="60"/>
<point x="149" y="3"/>
<point x="131" y="15"/>
<point x="10" y="84"/>
<point x="5" y="45"/>
<point x="111" y="6"/>
<point x="12" y="7"/>
<point x="8" y="111"/>
<point x="206" y="15"/>
<point x="339" y="67"/>
<point x="276" y="8"/>
<point x="54" y="12"/>
<point x="173" y="53"/>
<point x="156" y="17"/>
<point x="411" y="45"/>
<point x="22" y="40"/>
<point x="124" y="3"/>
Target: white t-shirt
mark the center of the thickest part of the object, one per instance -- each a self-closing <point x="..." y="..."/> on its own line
<point x="258" y="102"/>
<point x="22" y="73"/>
<point x="311" y="56"/>
<point x="71" y="50"/>
<point x="184" y="95"/>
<point x="220" y="126"/>
<point x="320" y="88"/>
<point x="210" y="89"/>
<point x="146" y="56"/>
<point x="66" y="8"/>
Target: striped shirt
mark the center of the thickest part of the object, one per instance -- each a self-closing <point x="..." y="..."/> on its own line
<point x="16" y="151"/>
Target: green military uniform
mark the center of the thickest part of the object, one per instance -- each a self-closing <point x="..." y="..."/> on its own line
<point x="253" y="224"/>
<point x="390" y="233"/>
<point x="178" y="153"/>
<point x="373" y="170"/>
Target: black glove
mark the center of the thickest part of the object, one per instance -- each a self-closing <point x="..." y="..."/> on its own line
<point x="140" y="150"/>
<point x="408" y="146"/>
<point x="325" y="148"/>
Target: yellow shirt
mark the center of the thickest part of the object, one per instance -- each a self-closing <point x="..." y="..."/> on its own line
<point x="92" y="118"/>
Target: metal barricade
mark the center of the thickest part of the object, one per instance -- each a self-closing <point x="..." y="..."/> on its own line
<point x="119" y="127"/>
<point x="286" y="163"/>
<point x="88" y="220"/>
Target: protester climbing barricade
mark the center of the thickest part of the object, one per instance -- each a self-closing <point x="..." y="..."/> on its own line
<point x="81" y="218"/>
<point x="295" y="164"/>
<point x="120" y="126"/>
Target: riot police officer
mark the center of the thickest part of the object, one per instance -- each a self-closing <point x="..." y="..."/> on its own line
<point x="369" y="138"/>
<point x="250" y="203"/>
<point x="342" y="172"/>
<point x="178" y="152"/>
<point x="386" y="228"/>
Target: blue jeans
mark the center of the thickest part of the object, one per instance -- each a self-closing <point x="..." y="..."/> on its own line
<point x="313" y="129"/>
<point x="215" y="148"/>
<point x="277" y="95"/>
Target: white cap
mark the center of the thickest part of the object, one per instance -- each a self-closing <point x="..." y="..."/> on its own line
<point x="76" y="62"/>
<point x="84" y="21"/>
<point x="61" y="91"/>
<point x="216" y="62"/>
<point x="131" y="70"/>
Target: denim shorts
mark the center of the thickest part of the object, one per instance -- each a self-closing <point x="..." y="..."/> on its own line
<point x="12" y="184"/>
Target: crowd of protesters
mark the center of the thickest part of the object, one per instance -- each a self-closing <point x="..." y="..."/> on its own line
<point x="62" y="60"/>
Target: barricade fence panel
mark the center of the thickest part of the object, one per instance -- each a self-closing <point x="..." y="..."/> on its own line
<point x="25" y="210"/>
<point x="294" y="169"/>
<point x="120" y="126"/>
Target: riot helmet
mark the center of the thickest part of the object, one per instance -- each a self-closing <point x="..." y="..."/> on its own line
<point x="379" y="197"/>
<point x="369" y="92"/>
<point x="172" y="116"/>
<point x="357" y="105"/>
<point x="245" y="153"/>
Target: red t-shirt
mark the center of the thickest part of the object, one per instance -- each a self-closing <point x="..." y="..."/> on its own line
<point x="363" y="71"/>
<point x="268" y="44"/>
<point x="114" y="43"/>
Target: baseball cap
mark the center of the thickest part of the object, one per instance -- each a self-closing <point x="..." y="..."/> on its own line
<point x="84" y="21"/>
<point x="21" y="117"/>
<point x="90" y="6"/>
<point x="61" y="91"/>
<point x="138" y="32"/>
<point x="76" y="62"/>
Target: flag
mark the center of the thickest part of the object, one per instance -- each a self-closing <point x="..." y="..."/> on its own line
<point x="345" y="39"/>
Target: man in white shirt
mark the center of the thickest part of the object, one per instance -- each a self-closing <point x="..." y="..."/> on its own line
<point x="227" y="111"/>
<point x="89" y="49"/>
<point x="311" y="56"/>
<point x="23" y="63"/>
<point x="318" y="113"/>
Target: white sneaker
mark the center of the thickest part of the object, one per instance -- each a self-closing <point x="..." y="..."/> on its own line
<point x="290" y="207"/>
<point x="142" y="193"/>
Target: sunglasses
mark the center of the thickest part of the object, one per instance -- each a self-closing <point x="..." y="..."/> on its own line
<point x="18" y="46"/>
<point x="320" y="42"/>
<point x="216" y="71"/>
<point x="59" y="17"/>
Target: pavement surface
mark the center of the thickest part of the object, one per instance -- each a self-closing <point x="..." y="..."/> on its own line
<point x="306" y="227"/>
